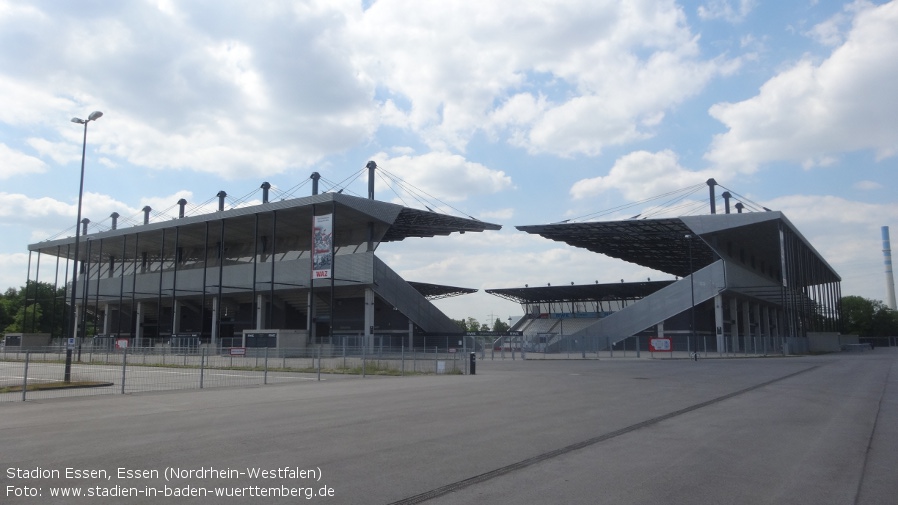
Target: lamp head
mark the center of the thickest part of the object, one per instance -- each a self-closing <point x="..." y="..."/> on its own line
<point x="78" y="120"/>
<point x="95" y="115"/>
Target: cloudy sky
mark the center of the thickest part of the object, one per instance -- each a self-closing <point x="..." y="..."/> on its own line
<point x="516" y="113"/>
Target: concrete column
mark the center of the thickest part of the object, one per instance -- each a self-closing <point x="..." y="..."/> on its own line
<point x="369" y="318"/>
<point x="138" y="325"/>
<point x="176" y="317"/>
<point x="260" y="313"/>
<point x="77" y="326"/>
<point x="756" y="315"/>
<point x="660" y="329"/>
<point x="214" y="340"/>
<point x="718" y="320"/>
<point x="734" y="325"/>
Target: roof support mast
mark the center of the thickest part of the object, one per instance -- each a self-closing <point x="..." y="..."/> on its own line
<point x="711" y="183"/>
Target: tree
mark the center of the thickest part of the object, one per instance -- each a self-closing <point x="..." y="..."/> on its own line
<point x="500" y="326"/>
<point x="35" y="308"/>
<point x="868" y="318"/>
<point x="473" y="324"/>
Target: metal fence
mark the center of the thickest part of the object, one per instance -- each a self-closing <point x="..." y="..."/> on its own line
<point x="38" y="373"/>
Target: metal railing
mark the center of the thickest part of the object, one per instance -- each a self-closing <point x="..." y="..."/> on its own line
<point x="38" y="373"/>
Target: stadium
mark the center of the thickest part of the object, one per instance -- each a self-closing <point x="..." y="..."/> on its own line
<point x="303" y="272"/>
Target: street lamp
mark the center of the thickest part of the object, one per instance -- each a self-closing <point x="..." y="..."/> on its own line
<point x="692" y="290"/>
<point x="68" y="353"/>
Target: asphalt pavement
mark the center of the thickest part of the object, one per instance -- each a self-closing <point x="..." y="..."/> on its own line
<point x="784" y="430"/>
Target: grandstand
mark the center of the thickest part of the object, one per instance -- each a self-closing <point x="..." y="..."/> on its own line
<point x="207" y="279"/>
<point x="743" y="280"/>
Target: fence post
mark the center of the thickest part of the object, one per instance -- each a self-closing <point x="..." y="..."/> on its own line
<point x="319" y="362"/>
<point x="202" y="367"/>
<point x="636" y="338"/>
<point x="402" y="361"/>
<point x="436" y="356"/>
<point x="25" y="375"/>
<point x="610" y="350"/>
<point x="124" y="367"/>
<point x="364" y="356"/>
<point x="265" y="375"/>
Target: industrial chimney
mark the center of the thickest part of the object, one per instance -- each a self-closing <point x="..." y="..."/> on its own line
<point x="887" y="260"/>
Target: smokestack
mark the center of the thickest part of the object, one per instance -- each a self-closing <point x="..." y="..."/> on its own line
<point x="265" y="187"/>
<point x="181" y="203"/>
<point x="711" y="183"/>
<point x="114" y="217"/>
<point x="221" y="196"/>
<point x="726" y="201"/>
<point x="315" y="176"/>
<point x="371" y="166"/>
<point x="146" y="214"/>
<point x="887" y="260"/>
<point x="739" y="207"/>
<point x="84" y="226"/>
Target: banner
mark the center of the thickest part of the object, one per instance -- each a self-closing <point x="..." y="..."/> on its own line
<point x="322" y="246"/>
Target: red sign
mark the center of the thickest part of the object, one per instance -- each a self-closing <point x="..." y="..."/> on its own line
<point x="660" y="345"/>
<point x="238" y="351"/>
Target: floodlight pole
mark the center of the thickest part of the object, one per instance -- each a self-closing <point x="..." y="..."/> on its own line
<point x="74" y="324"/>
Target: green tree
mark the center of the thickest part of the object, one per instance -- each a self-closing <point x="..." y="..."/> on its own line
<point x="868" y="318"/>
<point x="28" y="316"/>
<point x="35" y="308"/>
<point x="500" y="326"/>
<point x="473" y="324"/>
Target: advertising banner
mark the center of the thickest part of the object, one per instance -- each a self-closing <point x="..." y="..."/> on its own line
<point x="322" y="246"/>
<point x="659" y="345"/>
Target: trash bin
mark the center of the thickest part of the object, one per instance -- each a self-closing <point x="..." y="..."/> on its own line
<point x="473" y="363"/>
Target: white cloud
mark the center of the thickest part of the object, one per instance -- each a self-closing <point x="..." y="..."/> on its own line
<point x="442" y="175"/>
<point x="724" y="9"/>
<point x="609" y="70"/>
<point x="13" y="163"/>
<point x="810" y="112"/>
<point x="867" y="185"/>
<point x="640" y="175"/>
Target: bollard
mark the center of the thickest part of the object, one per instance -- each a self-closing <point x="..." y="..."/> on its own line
<point x="473" y="363"/>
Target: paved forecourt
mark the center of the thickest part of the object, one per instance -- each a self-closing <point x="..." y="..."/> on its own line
<point x="777" y="430"/>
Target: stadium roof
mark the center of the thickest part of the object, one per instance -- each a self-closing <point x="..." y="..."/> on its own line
<point x="353" y="216"/>
<point x="662" y="244"/>
<point x="437" y="291"/>
<point x="582" y="292"/>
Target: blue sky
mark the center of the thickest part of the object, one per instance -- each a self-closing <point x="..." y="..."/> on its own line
<point x="514" y="113"/>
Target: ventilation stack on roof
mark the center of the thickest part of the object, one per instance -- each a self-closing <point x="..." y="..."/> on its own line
<point x="726" y="201"/>
<point x="711" y="183"/>
<point x="739" y="207"/>
<point x="114" y="216"/>
<point x="221" y="199"/>
<point x="887" y="260"/>
<point x="84" y="226"/>
<point x="146" y="214"/>
<point x="315" y="176"/>
<point x="265" y="187"/>
<point x="181" y="203"/>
